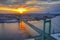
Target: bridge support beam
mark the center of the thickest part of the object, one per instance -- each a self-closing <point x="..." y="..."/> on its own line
<point x="44" y="25"/>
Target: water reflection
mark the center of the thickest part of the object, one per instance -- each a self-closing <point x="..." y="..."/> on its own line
<point x="10" y="31"/>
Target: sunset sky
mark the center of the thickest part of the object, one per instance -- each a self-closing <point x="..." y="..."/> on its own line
<point x="31" y="5"/>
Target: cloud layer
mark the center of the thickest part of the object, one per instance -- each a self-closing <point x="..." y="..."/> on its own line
<point x="21" y="1"/>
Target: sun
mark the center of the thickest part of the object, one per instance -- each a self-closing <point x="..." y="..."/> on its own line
<point x="22" y="10"/>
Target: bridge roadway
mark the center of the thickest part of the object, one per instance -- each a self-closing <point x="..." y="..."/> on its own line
<point x="47" y="37"/>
